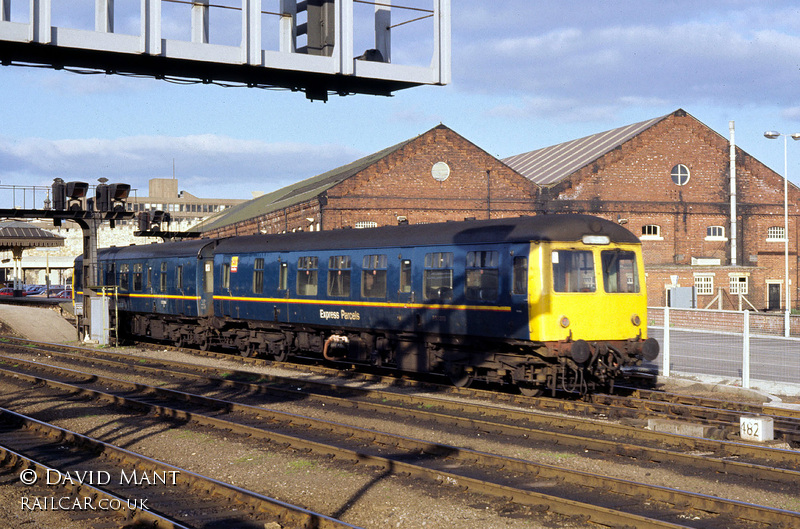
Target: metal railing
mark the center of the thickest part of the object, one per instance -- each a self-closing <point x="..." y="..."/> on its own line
<point x="735" y="346"/>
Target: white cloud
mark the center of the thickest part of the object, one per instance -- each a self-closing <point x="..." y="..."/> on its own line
<point x="728" y="57"/>
<point x="206" y="165"/>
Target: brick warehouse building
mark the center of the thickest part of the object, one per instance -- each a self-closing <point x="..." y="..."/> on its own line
<point x="434" y="177"/>
<point x="669" y="180"/>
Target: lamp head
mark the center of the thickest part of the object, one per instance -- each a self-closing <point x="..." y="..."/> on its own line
<point x="771" y="134"/>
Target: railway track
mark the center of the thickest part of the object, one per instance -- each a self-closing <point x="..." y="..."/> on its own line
<point x="490" y="473"/>
<point x="107" y="481"/>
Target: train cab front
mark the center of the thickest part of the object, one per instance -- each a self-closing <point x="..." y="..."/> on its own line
<point x="589" y="311"/>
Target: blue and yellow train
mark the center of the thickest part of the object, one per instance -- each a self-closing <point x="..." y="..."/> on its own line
<point x="544" y="302"/>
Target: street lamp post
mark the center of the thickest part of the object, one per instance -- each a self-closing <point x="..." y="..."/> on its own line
<point x="772" y="135"/>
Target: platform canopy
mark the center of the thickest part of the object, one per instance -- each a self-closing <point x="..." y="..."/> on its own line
<point x="17" y="235"/>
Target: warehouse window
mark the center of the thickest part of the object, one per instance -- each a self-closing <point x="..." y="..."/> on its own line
<point x="339" y="275"/>
<point x="704" y="284"/>
<point x="680" y="174"/>
<point x="366" y="224"/>
<point x="715" y="233"/>
<point x="307" y="276"/>
<point x="652" y="232"/>
<point x="373" y="276"/>
<point x="738" y="284"/>
<point x="775" y="233"/>
<point x="438" y="276"/>
<point x="481" y="278"/>
<point x="258" y="275"/>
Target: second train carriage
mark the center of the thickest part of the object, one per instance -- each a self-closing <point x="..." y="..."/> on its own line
<point x="555" y="302"/>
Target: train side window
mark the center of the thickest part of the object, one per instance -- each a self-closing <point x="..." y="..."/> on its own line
<point x="619" y="272"/>
<point x="307" y="276"/>
<point x="137" y="277"/>
<point x="405" y="276"/>
<point x="373" y="276"/>
<point x="438" y="276"/>
<point x="208" y="276"/>
<point x="110" y="275"/>
<point x="162" y="280"/>
<point x="123" y="277"/>
<point x="481" y="278"/>
<point x="339" y="275"/>
<point x="258" y="276"/>
<point x="519" y="278"/>
<point x="283" y="277"/>
<point x="226" y="275"/>
<point x="573" y="271"/>
<point x="149" y="277"/>
<point x="179" y="277"/>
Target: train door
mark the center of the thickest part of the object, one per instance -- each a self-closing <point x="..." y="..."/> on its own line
<point x="281" y="308"/>
<point x="205" y="281"/>
<point x="407" y="294"/>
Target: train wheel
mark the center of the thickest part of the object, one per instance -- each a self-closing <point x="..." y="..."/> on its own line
<point x="530" y="391"/>
<point x="248" y="350"/>
<point x="205" y="344"/>
<point x="459" y="376"/>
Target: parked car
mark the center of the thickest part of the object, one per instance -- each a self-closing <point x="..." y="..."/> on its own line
<point x="8" y="291"/>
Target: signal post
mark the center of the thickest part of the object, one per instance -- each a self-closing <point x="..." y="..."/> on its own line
<point x="71" y="201"/>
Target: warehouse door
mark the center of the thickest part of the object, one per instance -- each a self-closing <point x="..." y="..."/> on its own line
<point x="773" y="296"/>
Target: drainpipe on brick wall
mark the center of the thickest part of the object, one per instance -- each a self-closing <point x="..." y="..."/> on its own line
<point x="488" y="193"/>
<point x="734" y="251"/>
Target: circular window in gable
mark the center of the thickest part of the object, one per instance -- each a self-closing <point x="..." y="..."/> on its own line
<point x="680" y="174"/>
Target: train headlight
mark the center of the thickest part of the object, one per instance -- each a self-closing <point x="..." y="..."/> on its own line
<point x="636" y="320"/>
<point x="564" y="322"/>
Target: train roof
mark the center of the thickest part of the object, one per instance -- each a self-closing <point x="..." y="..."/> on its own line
<point x="188" y="248"/>
<point x="566" y="227"/>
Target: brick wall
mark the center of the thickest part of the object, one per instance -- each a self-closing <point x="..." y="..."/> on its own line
<point x="633" y="182"/>
<point x="400" y="185"/>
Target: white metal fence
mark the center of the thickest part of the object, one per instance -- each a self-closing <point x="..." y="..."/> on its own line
<point x="739" y="345"/>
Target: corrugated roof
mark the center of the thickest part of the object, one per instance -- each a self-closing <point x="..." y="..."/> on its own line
<point x="549" y="165"/>
<point x="296" y="193"/>
<point x="16" y="234"/>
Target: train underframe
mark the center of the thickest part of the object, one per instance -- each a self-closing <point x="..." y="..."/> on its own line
<point x="570" y="366"/>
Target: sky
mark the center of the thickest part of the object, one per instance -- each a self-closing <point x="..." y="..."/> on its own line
<point x="525" y="75"/>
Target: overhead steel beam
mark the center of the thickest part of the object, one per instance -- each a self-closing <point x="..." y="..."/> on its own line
<point x="327" y="64"/>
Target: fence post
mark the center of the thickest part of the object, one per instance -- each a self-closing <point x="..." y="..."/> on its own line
<point x="786" y="326"/>
<point x="746" y="350"/>
<point x="665" y="354"/>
